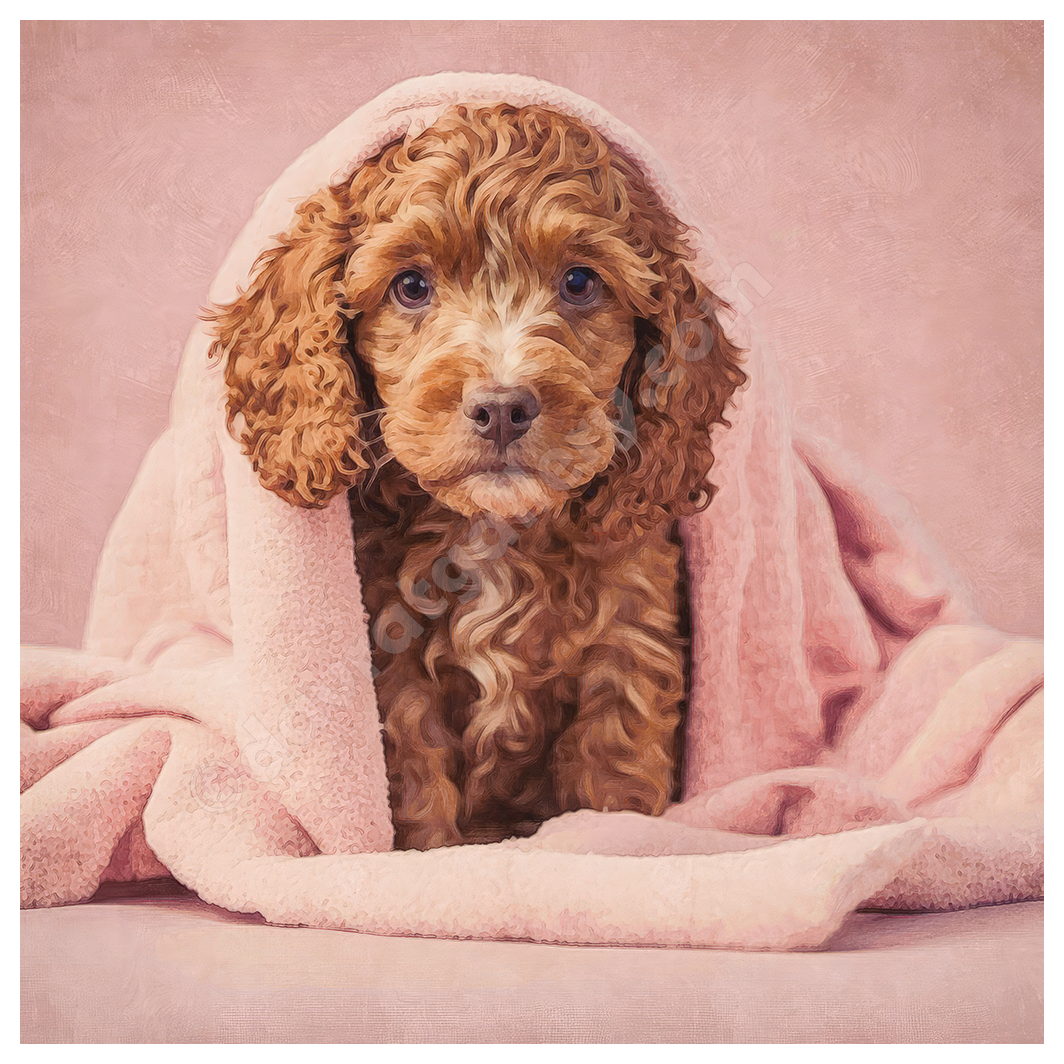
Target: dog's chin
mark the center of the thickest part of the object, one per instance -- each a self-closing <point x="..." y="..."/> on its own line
<point x="512" y="494"/>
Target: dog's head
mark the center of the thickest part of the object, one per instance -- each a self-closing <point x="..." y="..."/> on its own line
<point x="506" y="303"/>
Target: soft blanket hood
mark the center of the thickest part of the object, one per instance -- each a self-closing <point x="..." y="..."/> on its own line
<point x="855" y="736"/>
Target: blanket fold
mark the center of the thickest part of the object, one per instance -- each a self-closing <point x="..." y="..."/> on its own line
<point x="855" y="735"/>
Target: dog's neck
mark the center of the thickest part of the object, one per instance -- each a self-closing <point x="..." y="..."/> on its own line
<point x="406" y="540"/>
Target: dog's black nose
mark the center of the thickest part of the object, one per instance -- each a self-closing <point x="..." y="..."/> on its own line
<point x="501" y="414"/>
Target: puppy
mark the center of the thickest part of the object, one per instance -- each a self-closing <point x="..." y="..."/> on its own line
<point x="490" y="336"/>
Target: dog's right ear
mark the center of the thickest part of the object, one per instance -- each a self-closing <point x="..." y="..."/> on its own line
<point x="288" y="370"/>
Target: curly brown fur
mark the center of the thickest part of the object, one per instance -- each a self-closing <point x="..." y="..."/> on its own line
<point x="523" y="592"/>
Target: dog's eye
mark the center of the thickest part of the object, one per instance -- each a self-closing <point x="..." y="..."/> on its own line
<point x="580" y="285"/>
<point x="411" y="289"/>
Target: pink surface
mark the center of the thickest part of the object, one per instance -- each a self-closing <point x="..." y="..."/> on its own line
<point x="203" y="975"/>
<point x="852" y="731"/>
<point x="880" y="185"/>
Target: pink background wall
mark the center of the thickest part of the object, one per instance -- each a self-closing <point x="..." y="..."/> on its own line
<point x="884" y="179"/>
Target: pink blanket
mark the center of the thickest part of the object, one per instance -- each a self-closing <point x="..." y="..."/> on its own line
<point x="855" y="736"/>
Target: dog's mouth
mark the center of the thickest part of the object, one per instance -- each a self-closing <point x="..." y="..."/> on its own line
<point x="498" y="485"/>
<point x="500" y="472"/>
<point x="539" y="472"/>
<point x="517" y="460"/>
<point x="511" y="494"/>
<point x="497" y="466"/>
<point x="501" y="464"/>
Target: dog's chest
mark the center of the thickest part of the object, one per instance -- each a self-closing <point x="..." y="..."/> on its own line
<point x="515" y="612"/>
<point x="500" y="641"/>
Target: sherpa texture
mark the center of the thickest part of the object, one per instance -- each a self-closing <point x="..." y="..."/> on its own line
<point x="855" y="736"/>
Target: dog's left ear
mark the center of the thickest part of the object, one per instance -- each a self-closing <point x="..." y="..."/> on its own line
<point x="675" y="388"/>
